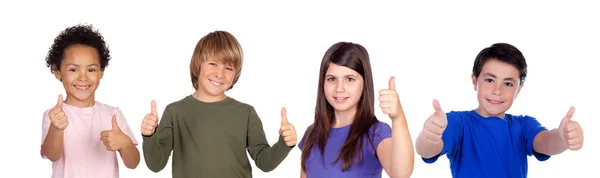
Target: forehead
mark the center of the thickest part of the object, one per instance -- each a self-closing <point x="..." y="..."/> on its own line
<point x="337" y="70"/>
<point x="500" y="69"/>
<point x="81" y="55"/>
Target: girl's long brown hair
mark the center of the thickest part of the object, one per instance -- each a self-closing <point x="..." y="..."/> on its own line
<point x="355" y="57"/>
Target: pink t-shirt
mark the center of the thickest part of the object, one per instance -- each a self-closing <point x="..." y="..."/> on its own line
<point x="84" y="154"/>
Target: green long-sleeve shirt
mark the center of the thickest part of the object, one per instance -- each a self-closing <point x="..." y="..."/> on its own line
<point x="210" y="140"/>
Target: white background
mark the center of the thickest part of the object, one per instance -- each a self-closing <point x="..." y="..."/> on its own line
<point x="428" y="46"/>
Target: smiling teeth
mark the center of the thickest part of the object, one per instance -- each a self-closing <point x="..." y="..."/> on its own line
<point x="80" y="87"/>
<point x="215" y="83"/>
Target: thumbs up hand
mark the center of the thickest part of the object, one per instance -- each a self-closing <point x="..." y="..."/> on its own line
<point x="150" y="121"/>
<point x="389" y="101"/>
<point x="287" y="130"/>
<point x="58" y="118"/>
<point x="115" y="139"/>
<point x="571" y="132"/>
<point x="435" y="125"/>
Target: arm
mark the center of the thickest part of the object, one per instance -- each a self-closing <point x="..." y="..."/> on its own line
<point x="569" y="135"/>
<point x="396" y="154"/>
<point x="52" y="147"/>
<point x="430" y="143"/>
<point x="158" y="146"/>
<point x="130" y="156"/>
<point x="265" y="157"/>
<point x="54" y="123"/>
<point x="426" y="147"/>
<point x="548" y="143"/>
<point x="129" y="153"/>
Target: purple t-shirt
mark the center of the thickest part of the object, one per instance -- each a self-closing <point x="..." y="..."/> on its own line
<point x="368" y="167"/>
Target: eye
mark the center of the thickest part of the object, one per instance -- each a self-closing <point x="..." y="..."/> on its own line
<point x="508" y="84"/>
<point x="330" y="79"/>
<point x="91" y="70"/>
<point x="350" y="79"/>
<point x="229" y="68"/>
<point x="212" y="64"/>
<point x="488" y="80"/>
<point x="72" y="70"/>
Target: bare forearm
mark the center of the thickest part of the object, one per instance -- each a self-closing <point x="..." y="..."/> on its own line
<point x="130" y="156"/>
<point x="549" y="143"/>
<point x="403" y="157"/>
<point x="52" y="147"/>
<point x="427" y="148"/>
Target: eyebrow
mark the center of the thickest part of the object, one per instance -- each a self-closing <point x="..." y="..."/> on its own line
<point x="494" y="76"/>
<point x="329" y="75"/>
<point x="71" y="64"/>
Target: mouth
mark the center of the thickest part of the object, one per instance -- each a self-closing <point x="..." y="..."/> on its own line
<point x="495" y="102"/>
<point x="82" y="87"/>
<point x="340" y="99"/>
<point x="215" y="83"/>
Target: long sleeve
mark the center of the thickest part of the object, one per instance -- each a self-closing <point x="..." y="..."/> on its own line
<point x="157" y="148"/>
<point x="265" y="157"/>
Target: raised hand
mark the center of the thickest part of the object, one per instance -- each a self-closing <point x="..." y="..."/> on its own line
<point x="150" y="121"/>
<point x="58" y="118"/>
<point x="571" y="132"/>
<point x="435" y="125"/>
<point x="115" y="139"/>
<point x="389" y="101"/>
<point x="287" y="130"/>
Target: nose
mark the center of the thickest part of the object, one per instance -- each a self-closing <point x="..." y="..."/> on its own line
<point x="220" y="72"/>
<point x="497" y="90"/>
<point x="83" y="75"/>
<point x="339" y="87"/>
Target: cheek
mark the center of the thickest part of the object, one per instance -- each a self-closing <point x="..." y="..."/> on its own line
<point x="229" y="76"/>
<point x="356" y="89"/>
<point x="510" y="93"/>
<point x="328" y="89"/>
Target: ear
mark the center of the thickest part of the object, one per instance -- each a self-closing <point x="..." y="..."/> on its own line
<point x="57" y="73"/>
<point x="474" y="80"/>
<point x="101" y="74"/>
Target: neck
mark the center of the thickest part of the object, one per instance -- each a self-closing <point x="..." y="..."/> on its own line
<point x="89" y="102"/>
<point x="208" y="98"/>
<point x="485" y="114"/>
<point x="344" y="118"/>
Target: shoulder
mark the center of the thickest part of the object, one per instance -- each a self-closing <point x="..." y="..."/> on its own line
<point x="522" y="119"/>
<point x="380" y="127"/>
<point x="105" y="107"/>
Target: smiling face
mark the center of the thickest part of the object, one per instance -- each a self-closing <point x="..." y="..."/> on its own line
<point x="80" y="74"/>
<point x="343" y="88"/>
<point x="497" y="86"/>
<point x="213" y="80"/>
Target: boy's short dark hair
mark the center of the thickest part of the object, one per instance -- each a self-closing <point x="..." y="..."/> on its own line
<point x="77" y="35"/>
<point x="503" y="52"/>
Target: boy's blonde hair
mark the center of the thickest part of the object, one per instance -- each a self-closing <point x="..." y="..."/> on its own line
<point x="220" y="46"/>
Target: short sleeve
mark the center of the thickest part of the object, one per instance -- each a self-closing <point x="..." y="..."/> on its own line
<point x="124" y="126"/>
<point x="450" y="137"/>
<point x="531" y="128"/>
<point x="381" y="131"/>
<point x="45" y="126"/>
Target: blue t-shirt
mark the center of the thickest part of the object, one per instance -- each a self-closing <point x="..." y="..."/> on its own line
<point x="370" y="166"/>
<point x="489" y="147"/>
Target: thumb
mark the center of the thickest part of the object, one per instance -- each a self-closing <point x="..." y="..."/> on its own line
<point x="153" y="107"/>
<point x="568" y="117"/>
<point x="60" y="101"/>
<point x="284" y="120"/>
<point x="114" y="123"/>
<point x="392" y="83"/>
<point x="437" y="107"/>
